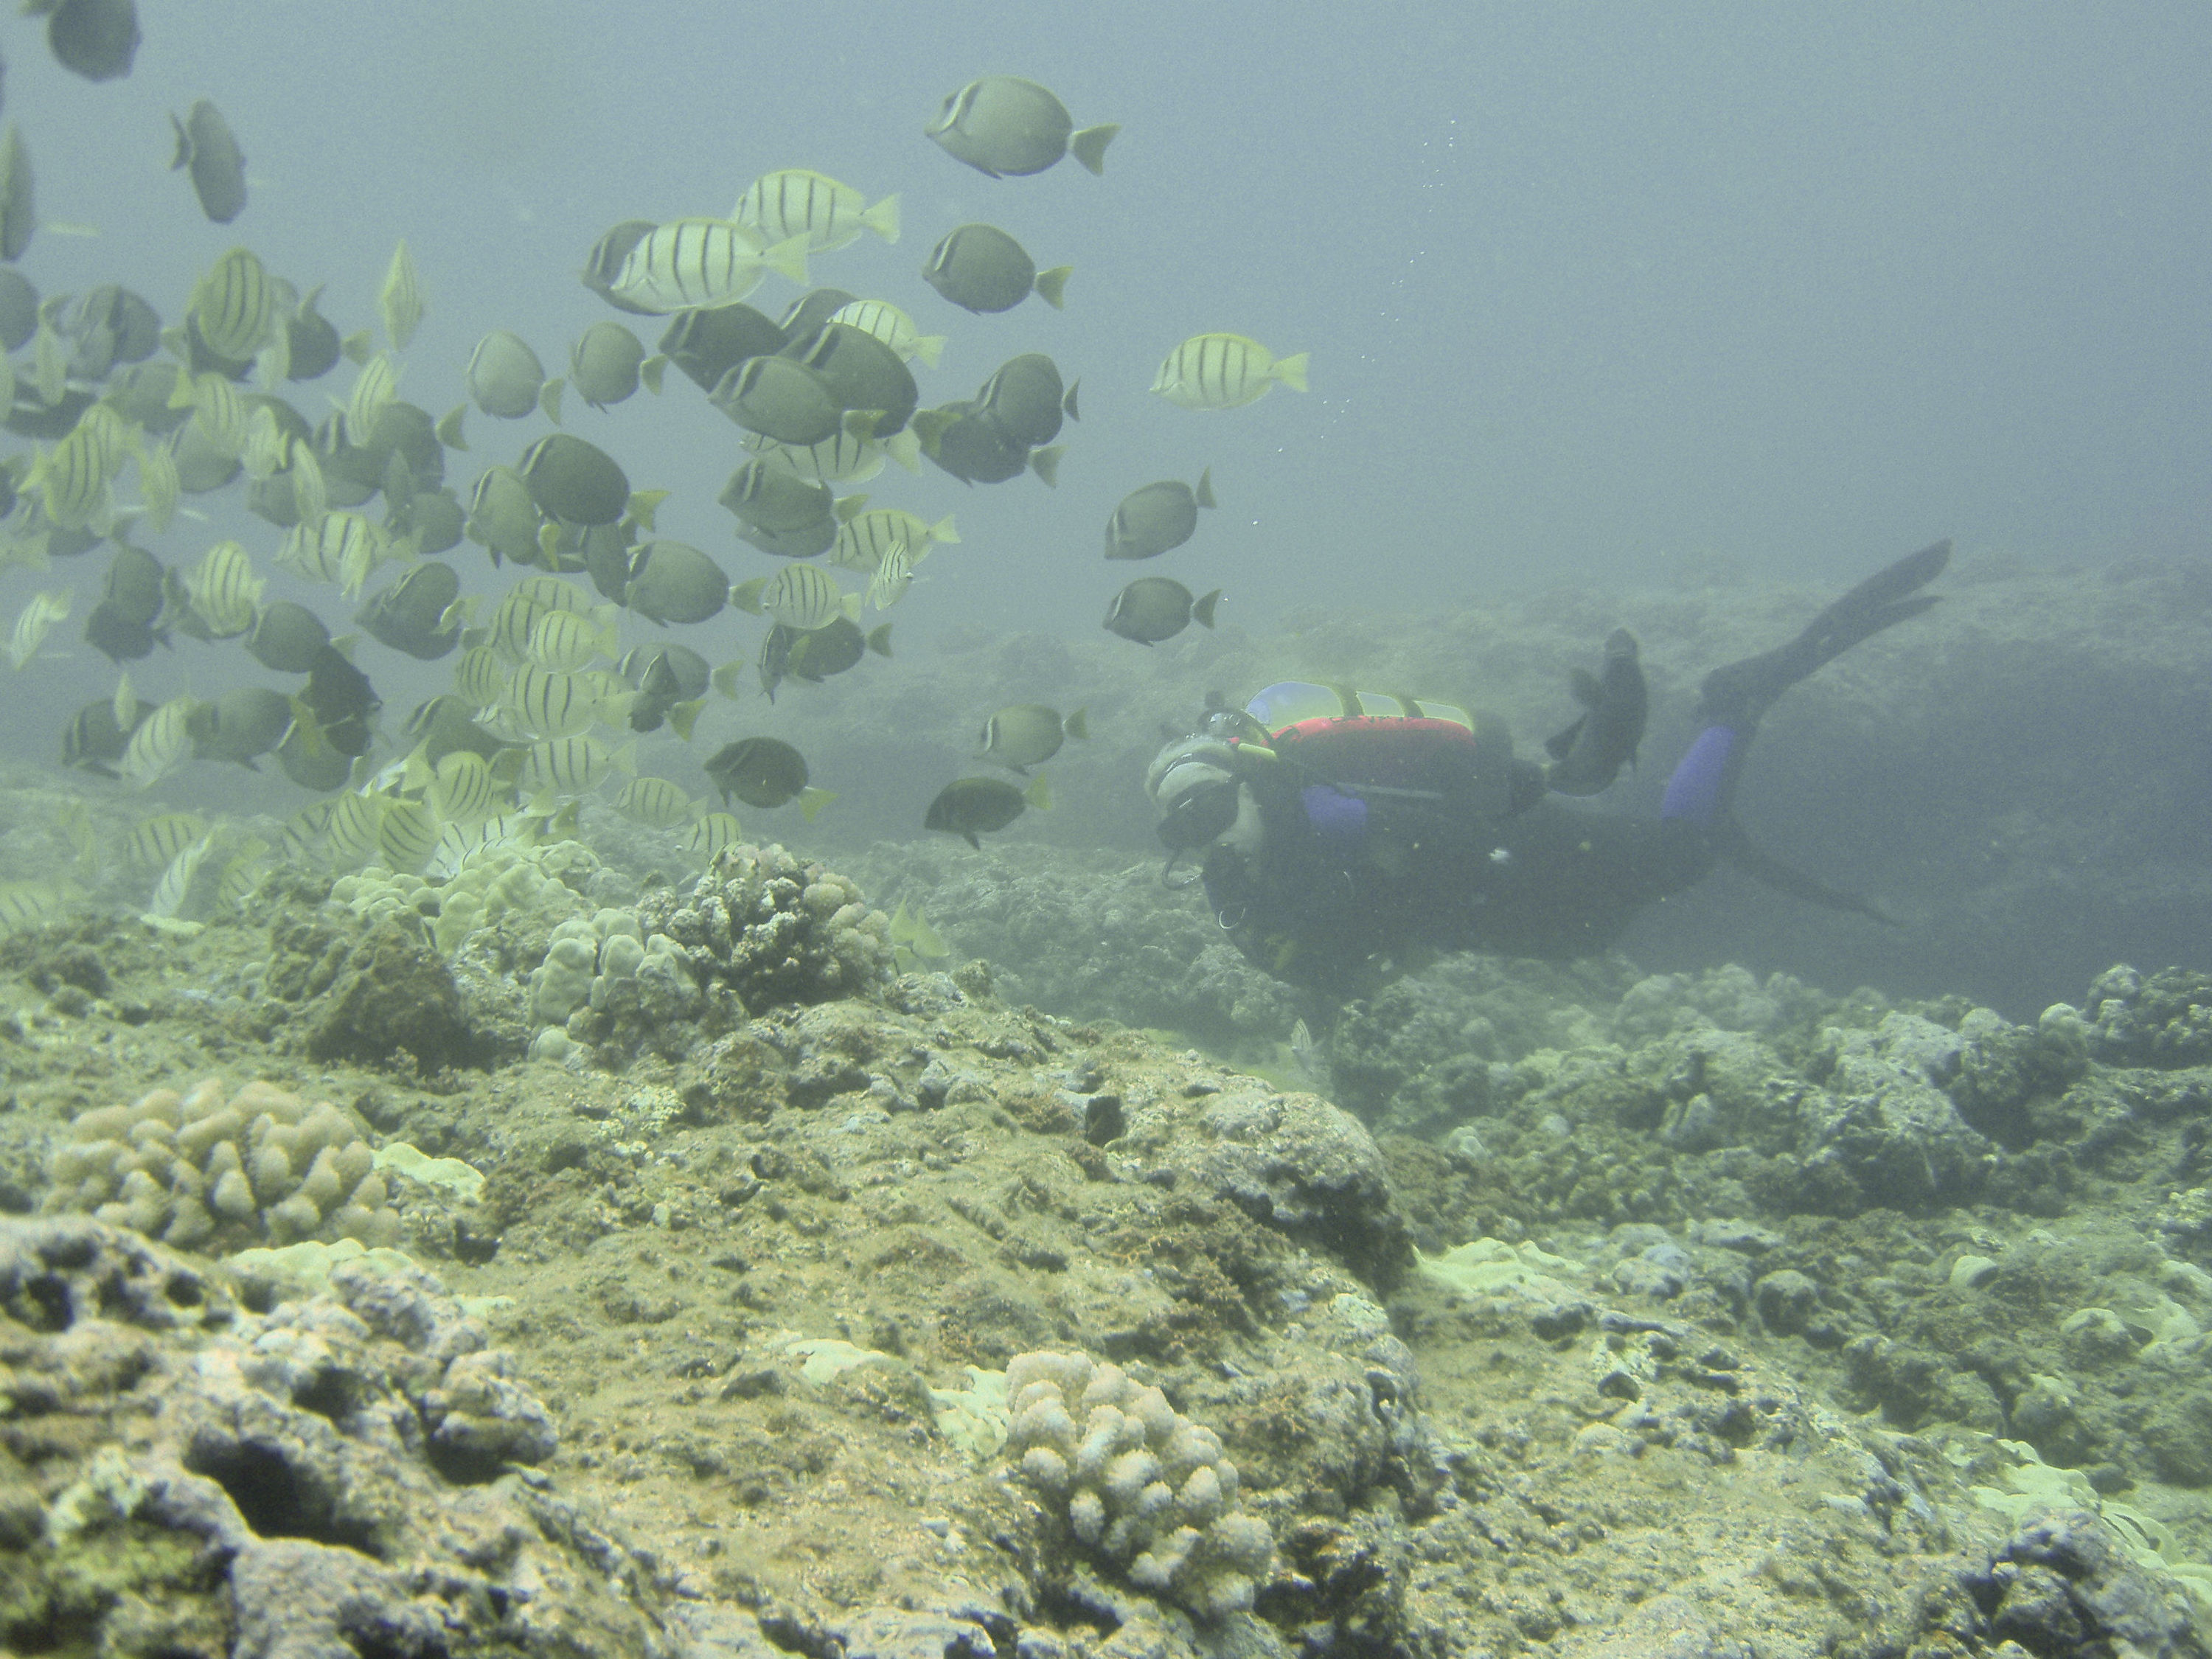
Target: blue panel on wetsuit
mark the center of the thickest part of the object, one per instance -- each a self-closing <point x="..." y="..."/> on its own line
<point x="1336" y="817"/>
<point x="1694" y="790"/>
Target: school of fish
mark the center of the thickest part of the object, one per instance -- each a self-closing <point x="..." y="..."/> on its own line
<point x="128" y="416"/>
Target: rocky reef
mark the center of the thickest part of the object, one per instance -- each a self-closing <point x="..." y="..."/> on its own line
<point x="344" y="1475"/>
<point x="1572" y="1309"/>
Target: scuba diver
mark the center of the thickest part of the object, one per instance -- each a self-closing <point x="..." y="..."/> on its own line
<point x="1337" y="832"/>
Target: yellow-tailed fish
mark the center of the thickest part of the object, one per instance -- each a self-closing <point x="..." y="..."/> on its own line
<point x="689" y="263"/>
<point x="464" y="790"/>
<point x="225" y="592"/>
<point x="656" y="803"/>
<point x="310" y="492"/>
<point x="218" y="410"/>
<point x="564" y="640"/>
<point x="34" y="622"/>
<point x="240" y="878"/>
<point x="841" y="458"/>
<point x="158" y="486"/>
<point x="339" y="547"/>
<point x="71" y="480"/>
<point x="572" y="765"/>
<point x="304" y="831"/>
<point x="156" y="841"/>
<point x="49" y="361"/>
<point x="604" y="363"/>
<point x="892" y="578"/>
<point x="406" y="834"/>
<point x="27" y="904"/>
<point x="159" y="744"/>
<point x="1003" y="125"/>
<point x="981" y="268"/>
<point x="234" y="305"/>
<point x="893" y="327"/>
<point x="1225" y="371"/>
<point x="504" y="375"/>
<point x="713" y="831"/>
<point x="267" y="447"/>
<point x="350" y="836"/>
<point x="552" y="593"/>
<point x="803" y="597"/>
<point x="400" y="299"/>
<point x="552" y="704"/>
<point x="480" y="677"/>
<point x="864" y="539"/>
<point x="377" y="385"/>
<point x="176" y="883"/>
<point x="795" y="202"/>
<point x="74" y="820"/>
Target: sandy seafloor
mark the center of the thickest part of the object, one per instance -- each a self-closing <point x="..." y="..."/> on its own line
<point x="1561" y="1309"/>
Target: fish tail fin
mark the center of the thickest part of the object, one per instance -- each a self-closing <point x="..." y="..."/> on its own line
<point x="929" y="347"/>
<point x="650" y="371"/>
<point x="1039" y="793"/>
<point x="1045" y="463"/>
<point x="1088" y="145"/>
<point x="548" y="398"/>
<point x="883" y="218"/>
<point x="1052" y="285"/>
<point x="1204" y="494"/>
<point x="1292" y="371"/>
<point x="1077" y="726"/>
<point x="788" y="258"/>
<point x="942" y="531"/>
<point x="1203" y="609"/>
<point x="184" y="144"/>
<point x="811" y="801"/>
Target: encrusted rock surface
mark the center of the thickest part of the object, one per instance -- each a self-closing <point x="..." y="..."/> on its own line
<point x="333" y="1477"/>
<point x="1696" y="1355"/>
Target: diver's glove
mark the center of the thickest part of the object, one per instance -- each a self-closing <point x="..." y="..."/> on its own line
<point x="1193" y="781"/>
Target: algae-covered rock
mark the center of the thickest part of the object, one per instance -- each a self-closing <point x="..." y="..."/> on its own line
<point x="329" y="1478"/>
<point x="774" y="929"/>
<point x="2163" y="1020"/>
<point x="1880" y="1130"/>
<point x="392" y="994"/>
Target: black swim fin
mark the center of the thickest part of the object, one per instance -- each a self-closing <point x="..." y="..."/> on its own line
<point x="1735" y="845"/>
<point x="1738" y="694"/>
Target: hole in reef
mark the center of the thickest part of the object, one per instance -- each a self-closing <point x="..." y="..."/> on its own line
<point x="50" y="1304"/>
<point x="272" y="1498"/>
<point x="329" y="1393"/>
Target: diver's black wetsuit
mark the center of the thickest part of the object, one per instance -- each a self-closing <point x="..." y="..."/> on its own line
<point x="1448" y="846"/>
<point x="1547" y="881"/>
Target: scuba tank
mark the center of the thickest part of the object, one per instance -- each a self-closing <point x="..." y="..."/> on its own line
<point x="1381" y="745"/>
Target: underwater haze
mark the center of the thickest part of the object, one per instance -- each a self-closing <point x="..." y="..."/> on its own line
<point x="635" y="1023"/>
<point x="1727" y="301"/>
